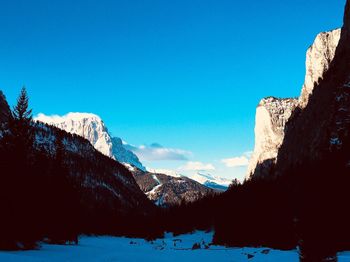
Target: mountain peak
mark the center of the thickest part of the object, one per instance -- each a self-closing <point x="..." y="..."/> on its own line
<point x="211" y="181"/>
<point x="92" y="128"/>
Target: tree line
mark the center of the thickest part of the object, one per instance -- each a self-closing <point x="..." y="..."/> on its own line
<point x="306" y="208"/>
<point x="37" y="198"/>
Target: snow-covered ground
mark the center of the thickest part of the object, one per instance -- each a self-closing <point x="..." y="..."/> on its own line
<point x="170" y="248"/>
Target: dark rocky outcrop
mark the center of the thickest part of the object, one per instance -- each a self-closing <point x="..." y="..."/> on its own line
<point x="4" y="108"/>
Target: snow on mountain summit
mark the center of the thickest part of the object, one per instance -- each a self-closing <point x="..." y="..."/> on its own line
<point x="87" y="125"/>
<point x="92" y="128"/>
<point x="211" y="181"/>
<point x="70" y="116"/>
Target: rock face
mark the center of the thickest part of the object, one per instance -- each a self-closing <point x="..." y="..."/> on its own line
<point x="166" y="190"/>
<point x="4" y="108"/>
<point x="318" y="59"/>
<point x="320" y="133"/>
<point x="272" y="114"/>
<point x="92" y="128"/>
<point x="124" y="155"/>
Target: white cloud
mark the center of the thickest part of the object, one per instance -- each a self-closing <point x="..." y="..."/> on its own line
<point x="156" y="152"/>
<point x="197" y="166"/>
<point x="236" y="161"/>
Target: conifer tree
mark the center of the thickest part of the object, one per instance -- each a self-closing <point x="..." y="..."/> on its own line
<point x="21" y="123"/>
<point x="21" y="111"/>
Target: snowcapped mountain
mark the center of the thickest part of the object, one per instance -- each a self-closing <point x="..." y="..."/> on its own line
<point x="211" y="181"/>
<point x="92" y="128"/>
<point x="162" y="189"/>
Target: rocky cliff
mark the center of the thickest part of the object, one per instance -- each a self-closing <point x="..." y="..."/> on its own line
<point x="319" y="133"/>
<point x="318" y="59"/>
<point x="272" y="114"/>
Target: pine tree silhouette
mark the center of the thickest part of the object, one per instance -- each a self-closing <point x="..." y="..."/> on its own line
<point x="21" y="111"/>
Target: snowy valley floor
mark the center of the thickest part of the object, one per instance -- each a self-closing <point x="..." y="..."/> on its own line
<point x="170" y="248"/>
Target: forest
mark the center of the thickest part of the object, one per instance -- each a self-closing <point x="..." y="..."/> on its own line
<point x="41" y="201"/>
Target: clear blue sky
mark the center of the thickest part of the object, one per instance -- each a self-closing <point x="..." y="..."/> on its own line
<point x="186" y="74"/>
